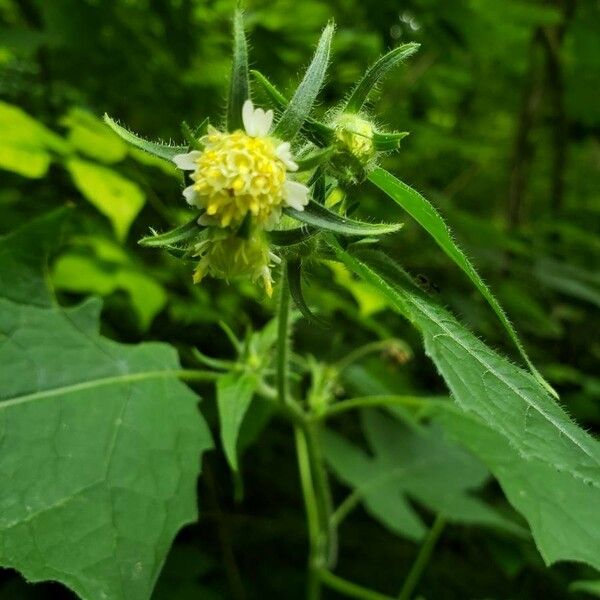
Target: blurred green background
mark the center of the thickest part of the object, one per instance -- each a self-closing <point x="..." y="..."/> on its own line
<point x="502" y="106"/>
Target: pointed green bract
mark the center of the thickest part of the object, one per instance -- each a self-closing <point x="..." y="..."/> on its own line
<point x="239" y="85"/>
<point x="101" y="442"/>
<point x="387" y="142"/>
<point x="545" y="445"/>
<point x="234" y="395"/>
<point x="159" y="149"/>
<point x="318" y="133"/>
<point x="319" y="216"/>
<point x="179" y="234"/>
<point x="375" y="73"/>
<point x="304" y="98"/>
<point x="291" y="237"/>
<point x="425" y="214"/>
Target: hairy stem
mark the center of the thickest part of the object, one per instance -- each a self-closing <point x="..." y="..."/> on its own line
<point x="352" y="590"/>
<point x="283" y="316"/>
<point x="422" y="559"/>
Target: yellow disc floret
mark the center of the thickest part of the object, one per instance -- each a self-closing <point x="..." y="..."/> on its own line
<point x="237" y="173"/>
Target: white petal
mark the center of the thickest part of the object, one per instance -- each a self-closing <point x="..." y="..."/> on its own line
<point x="190" y="194"/>
<point x="265" y="120"/>
<point x="296" y="195"/>
<point x="285" y="156"/>
<point x="248" y="118"/>
<point x="187" y="162"/>
<point x="207" y="220"/>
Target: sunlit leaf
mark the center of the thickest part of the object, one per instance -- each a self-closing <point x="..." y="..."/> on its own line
<point x="114" y="196"/>
<point x="239" y="85"/>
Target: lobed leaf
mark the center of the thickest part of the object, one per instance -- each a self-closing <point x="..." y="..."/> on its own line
<point x="305" y="95"/>
<point x="426" y="215"/>
<point x="318" y="216"/>
<point x="100" y="440"/>
<point x="239" y="85"/>
<point x="551" y="458"/>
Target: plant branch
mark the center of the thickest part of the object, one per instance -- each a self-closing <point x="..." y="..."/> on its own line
<point x="352" y="590"/>
<point x="422" y="559"/>
<point x="283" y="316"/>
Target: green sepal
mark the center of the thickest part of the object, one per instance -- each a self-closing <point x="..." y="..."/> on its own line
<point x="179" y="234"/>
<point x="298" y="110"/>
<point x="192" y="137"/>
<point x="318" y="216"/>
<point x="387" y="142"/>
<point x="316" y="132"/>
<point x="375" y="73"/>
<point x="294" y="277"/>
<point x="159" y="149"/>
<point x="239" y="85"/>
<point x="291" y="237"/>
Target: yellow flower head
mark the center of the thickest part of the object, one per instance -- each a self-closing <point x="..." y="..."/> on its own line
<point x="241" y="172"/>
<point x="224" y="255"/>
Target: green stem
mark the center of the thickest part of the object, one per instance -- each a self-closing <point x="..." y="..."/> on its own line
<point x="422" y="559"/>
<point x="283" y="315"/>
<point x="375" y="401"/>
<point x="197" y="375"/>
<point x="352" y="590"/>
<point x="313" y="590"/>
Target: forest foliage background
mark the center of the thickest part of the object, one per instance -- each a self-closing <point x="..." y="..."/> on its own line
<point x="502" y="106"/>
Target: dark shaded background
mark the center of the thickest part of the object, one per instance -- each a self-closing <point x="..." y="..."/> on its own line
<point x="502" y="106"/>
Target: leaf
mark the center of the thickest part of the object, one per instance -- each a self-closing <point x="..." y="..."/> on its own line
<point x="166" y="151"/>
<point x="426" y="215"/>
<point x="178" y="234"/>
<point x="85" y="274"/>
<point x="100" y="440"/>
<point x="375" y="73"/>
<point x="239" y="85"/>
<point x="291" y="237"/>
<point x="234" y="394"/>
<point x="305" y="95"/>
<point x="387" y="142"/>
<point x="26" y="146"/>
<point x="517" y="410"/>
<point x="416" y="464"/>
<point x="318" y="133"/>
<point x="90" y="136"/>
<point x="294" y="278"/>
<point x="114" y="196"/>
<point x="319" y="216"/>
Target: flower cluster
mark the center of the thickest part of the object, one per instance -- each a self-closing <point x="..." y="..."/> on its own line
<point x="236" y="175"/>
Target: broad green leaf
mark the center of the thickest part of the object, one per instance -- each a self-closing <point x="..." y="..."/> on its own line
<point x="516" y="408"/>
<point x="91" y="137"/>
<point x="291" y="237"/>
<point x="319" y="216"/>
<point x="305" y="95"/>
<point x="234" y="394"/>
<point x="114" y="196"/>
<point x="100" y="441"/>
<point x="166" y="151"/>
<point x="26" y="146"/>
<point x="239" y="85"/>
<point x="563" y="517"/>
<point x="375" y="73"/>
<point x="426" y="215"/>
<point x="178" y="234"/>
<point x="85" y="274"/>
<point x="415" y="464"/>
